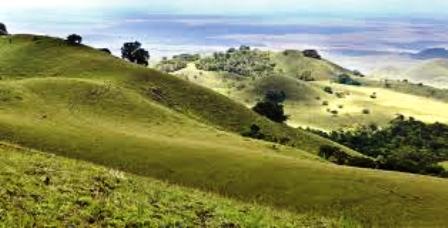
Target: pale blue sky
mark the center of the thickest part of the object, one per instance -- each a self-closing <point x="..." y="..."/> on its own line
<point x="426" y="8"/>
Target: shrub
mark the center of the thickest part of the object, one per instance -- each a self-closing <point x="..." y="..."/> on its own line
<point x="272" y="107"/>
<point x="328" y="90"/>
<point x="373" y="96"/>
<point x="347" y="80"/>
<point x="311" y="54"/>
<point x="74" y="39"/>
<point x="325" y="103"/>
<point x="340" y="95"/>
<point x="3" y="30"/>
<point x="366" y="111"/>
<point x="254" y="132"/>
<point x="340" y="106"/>
<point x="334" y="112"/>
<point x="271" y="110"/>
<point x="133" y="52"/>
<point x="105" y="50"/>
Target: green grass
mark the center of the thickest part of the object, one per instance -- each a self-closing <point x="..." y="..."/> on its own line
<point x="42" y="189"/>
<point x="305" y="99"/>
<point x="85" y="105"/>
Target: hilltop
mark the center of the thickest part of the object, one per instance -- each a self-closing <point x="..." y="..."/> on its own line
<point x="80" y="103"/>
<point x="304" y="80"/>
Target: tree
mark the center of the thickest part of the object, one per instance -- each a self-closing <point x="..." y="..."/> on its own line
<point x="134" y="52"/>
<point x="74" y="39"/>
<point x="3" y="30"/>
<point x="272" y="106"/>
<point x="311" y="54"/>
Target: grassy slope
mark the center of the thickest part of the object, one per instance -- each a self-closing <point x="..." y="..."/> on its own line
<point x="307" y="111"/>
<point x="26" y="57"/>
<point x="83" y="194"/>
<point x="100" y="112"/>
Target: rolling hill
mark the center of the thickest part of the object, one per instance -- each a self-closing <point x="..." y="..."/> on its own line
<point x="80" y="103"/>
<point x="303" y="80"/>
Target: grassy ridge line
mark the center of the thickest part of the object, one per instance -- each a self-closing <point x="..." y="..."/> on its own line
<point x="30" y="56"/>
<point x="39" y="188"/>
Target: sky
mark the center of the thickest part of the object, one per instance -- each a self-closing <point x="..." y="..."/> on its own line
<point x="340" y="29"/>
<point x="340" y="7"/>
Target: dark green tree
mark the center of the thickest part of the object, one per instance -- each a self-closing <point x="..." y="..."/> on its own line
<point x="272" y="106"/>
<point x="134" y="52"/>
<point x="3" y="30"/>
<point x="74" y="39"/>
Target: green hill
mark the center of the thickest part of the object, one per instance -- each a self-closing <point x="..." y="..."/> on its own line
<point x="303" y="80"/>
<point x="39" y="188"/>
<point x="76" y="102"/>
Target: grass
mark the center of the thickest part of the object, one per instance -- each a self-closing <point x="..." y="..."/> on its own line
<point x="305" y="99"/>
<point x="99" y="109"/>
<point x="39" y="188"/>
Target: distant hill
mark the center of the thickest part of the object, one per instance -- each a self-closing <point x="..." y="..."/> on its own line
<point x="432" y="53"/>
<point x="303" y="79"/>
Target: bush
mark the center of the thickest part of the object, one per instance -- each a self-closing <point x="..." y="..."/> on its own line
<point x="347" y="80"/>
<point x="133" y="52"/>
<point x="311" y="54"/>
<point x="105" y="50"/>
<point x="74" y="39"/>
<point x="254" y="132"/>
<point x="328" y="90"/>
<point x="366" y="111"/>
<point x="271" y="110"/>
<point x="3" y="30"/>
<point x="272" y="107"/>
<point x="325" y="103"/>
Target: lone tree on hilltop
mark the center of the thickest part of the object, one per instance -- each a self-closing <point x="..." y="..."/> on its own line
<point x="74" y="39"/>
<point x="272" y="106"/>
<point x="134" y="52"/>
<point x="312" y="54"/>
<point x="3" y="30"/>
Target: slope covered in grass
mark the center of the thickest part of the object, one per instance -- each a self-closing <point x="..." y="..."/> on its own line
<point x="42" y="189"/>
<point x="97" y="108"/>
<point x="26" y="56"/>
<point x="303" y="80"/>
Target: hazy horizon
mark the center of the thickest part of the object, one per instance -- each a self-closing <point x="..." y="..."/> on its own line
<point x="342" y="32"/>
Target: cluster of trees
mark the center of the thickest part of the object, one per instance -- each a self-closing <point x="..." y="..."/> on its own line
<point x="3" y="30"/>
<point x="346" y="80"/>
<point x="242" y="61"/>
<point x="272" y="106"/>
<point x="406" y="145"/>
<point x="131" y="51"/>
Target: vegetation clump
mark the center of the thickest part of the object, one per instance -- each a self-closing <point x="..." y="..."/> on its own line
<point x="133" y="52"/>
<point x="74" y="39"/>
<point x="328" y="89"/>
<point x="3" y="30"/>
<point x="272" y="106"/>
<point x="345" y="79"/>
<point x="406" y="145"/>
<point x="243" y="62"/>
<point x="312" y="54"/>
